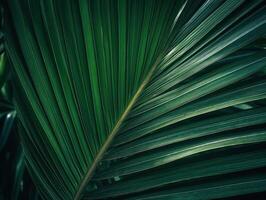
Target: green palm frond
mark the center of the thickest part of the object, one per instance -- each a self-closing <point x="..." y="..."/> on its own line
<point x="152" y="99"/>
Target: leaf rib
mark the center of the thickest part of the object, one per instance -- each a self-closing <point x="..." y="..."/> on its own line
<point x="114" y="131"/>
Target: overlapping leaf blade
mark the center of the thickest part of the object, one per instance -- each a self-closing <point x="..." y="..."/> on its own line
<point x="131" y="87"/>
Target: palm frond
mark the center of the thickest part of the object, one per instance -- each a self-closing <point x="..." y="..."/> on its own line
<point x="140" y="99"/>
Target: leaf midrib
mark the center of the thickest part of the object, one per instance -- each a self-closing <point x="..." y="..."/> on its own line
<point x="114" y="131"/>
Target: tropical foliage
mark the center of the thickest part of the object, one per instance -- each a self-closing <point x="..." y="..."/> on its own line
<point x="140" y="99"/>
<point x="15" y="182"/>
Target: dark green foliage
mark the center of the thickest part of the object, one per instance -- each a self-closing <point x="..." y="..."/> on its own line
<point x="140" y="99"/>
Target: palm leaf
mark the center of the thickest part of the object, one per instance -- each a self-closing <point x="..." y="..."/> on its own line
<point x="140" y="99"/>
